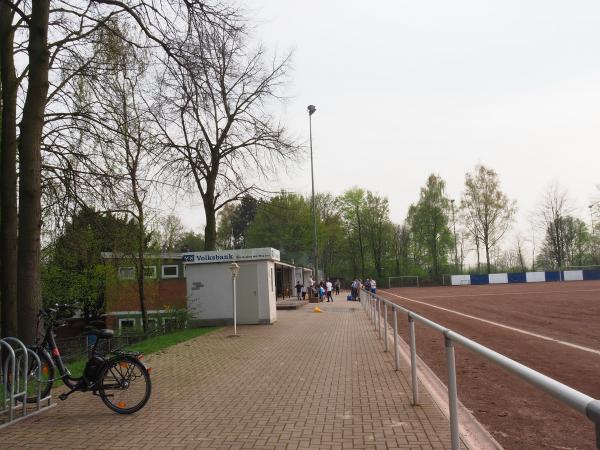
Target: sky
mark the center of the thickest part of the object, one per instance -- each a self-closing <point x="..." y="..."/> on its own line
<point x="404" y="89"/>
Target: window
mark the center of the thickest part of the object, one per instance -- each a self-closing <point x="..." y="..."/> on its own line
<point x="126" y="323"/>
<point x="126" y="273"/>
<point x="150" y="271"/>
<point x="170" y="271"/>
<point x="152" y="323"/>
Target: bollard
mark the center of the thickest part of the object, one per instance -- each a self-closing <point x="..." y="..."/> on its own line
<point x="452" y="394"/>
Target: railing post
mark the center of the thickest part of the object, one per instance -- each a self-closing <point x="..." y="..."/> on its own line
<point x="378" y="321"/>
<point x="452" y="394"/>
<point x="413" y="360"/>
<point x="396" y="351"/>
<point x="385" y="327"/>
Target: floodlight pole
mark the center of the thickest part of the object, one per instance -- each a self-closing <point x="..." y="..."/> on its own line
<point x="455" y="247"/>
<point x="592" y="219"/>
<point x="311" y="111"/>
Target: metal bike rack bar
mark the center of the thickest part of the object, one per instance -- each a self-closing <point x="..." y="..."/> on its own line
<point x="577" y="400"/>
<point x="8" y="376"/>
<point x="15" y="377"/>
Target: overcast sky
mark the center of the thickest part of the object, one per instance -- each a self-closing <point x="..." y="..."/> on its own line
<point x="407" y="88"/>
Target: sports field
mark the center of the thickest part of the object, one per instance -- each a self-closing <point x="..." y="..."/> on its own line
<point x="553" y="328"/>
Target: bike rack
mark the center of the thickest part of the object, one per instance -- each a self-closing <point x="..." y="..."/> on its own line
<point x="13" y="382"/>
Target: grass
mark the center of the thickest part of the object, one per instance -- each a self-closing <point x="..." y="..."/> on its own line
<point x="150" y="345"/>
<point x="158" y="343"/>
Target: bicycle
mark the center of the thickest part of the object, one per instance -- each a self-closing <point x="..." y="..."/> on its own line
<point x="122" y="381"/>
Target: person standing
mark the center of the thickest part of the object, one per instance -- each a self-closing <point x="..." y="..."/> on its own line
<point x="337" y="287"/>
<point x="298" y="289"/>
<point x="329" y="287"/>
<point x="373" y="286"/>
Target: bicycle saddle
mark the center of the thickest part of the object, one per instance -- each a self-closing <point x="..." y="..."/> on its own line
<point x="104" y="333"/>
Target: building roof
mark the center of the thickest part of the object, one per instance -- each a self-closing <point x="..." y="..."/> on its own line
<point x="120" y="255"/>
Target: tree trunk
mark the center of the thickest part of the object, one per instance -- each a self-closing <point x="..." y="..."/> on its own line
<point x="30" y="160"/>
<point x="486" y="244"/>
<point x="140" y="258"/>
<point x="8" y="177"/>
<point x="210" y="231"/>
<point x="140" y="281"/>
<point x="478" y="255"/>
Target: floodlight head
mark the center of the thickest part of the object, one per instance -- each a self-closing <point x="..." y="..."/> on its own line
<point x="311" y="109"/>
<point x="235" y="269"/>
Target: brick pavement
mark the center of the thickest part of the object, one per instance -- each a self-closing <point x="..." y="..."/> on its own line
<point x="310" y="380"/>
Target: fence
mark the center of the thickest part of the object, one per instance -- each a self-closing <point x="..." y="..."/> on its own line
<point x="374" y="305"/>
<point x="19" y="367"/>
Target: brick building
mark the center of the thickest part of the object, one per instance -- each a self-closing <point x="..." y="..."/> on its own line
<point x="164" y="291"/>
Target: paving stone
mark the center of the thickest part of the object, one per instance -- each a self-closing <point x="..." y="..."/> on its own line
<point x="310" y="381"/>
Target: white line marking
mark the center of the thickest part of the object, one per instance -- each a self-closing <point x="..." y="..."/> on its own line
<point x="510" y="293"/>
<point x="517" y="330"/>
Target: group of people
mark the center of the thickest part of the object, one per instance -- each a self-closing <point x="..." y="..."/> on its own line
<point x="358" y="284"/>
<point x="324" y="289"/>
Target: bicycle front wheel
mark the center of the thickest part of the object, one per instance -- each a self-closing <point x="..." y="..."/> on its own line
<point x="125" y="385"/>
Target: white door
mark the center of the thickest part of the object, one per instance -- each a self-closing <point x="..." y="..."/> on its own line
<point x="247" y="298"/>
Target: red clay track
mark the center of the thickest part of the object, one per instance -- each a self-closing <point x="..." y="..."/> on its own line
<point x="518" y="415"/>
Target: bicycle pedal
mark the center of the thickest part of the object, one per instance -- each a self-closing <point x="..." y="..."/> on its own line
<point x="63" y="396"/>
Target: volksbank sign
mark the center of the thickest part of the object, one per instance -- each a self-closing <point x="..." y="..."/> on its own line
<point x="217" y="256"/>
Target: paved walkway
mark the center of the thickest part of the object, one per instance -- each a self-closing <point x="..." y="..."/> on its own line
<point x="311" y="380"/>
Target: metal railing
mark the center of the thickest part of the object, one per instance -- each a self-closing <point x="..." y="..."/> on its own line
<point x="373" y="305"/>
<point x="15" y="374"/>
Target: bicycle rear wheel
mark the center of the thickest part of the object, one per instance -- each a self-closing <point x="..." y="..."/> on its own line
<point x="125" y="385"/>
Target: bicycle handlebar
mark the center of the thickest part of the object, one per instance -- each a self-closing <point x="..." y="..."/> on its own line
<point x="51" y="312"/>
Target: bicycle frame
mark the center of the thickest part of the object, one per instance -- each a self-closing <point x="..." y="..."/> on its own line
<point x="49" y="344"/>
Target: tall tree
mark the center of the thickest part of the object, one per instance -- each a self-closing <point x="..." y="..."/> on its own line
<point x="428" y="220"/>
<point x="30" y="163"/>
<point x="555" y="207"/>
<point x="8" y="174"/>
<point x="283" y="222"/>
<point x="488" y="208"/>
<point x="213" y="118"/>
<point x="351" y="204"/>
<point x="171" y="232"/>
<point x="377" y="221"/>
<point x="130" y="144"/>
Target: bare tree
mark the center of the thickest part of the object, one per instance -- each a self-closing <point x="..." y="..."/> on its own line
<point x="171" y="231"/>
<point x="489" y="210"/>
<point x="211" y="113"/>
<point x="554" y="208"/>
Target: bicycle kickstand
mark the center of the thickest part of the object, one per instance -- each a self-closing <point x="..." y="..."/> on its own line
<point x="64" y="395"/>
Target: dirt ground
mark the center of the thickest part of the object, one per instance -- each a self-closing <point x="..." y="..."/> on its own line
<point x="518" y="415"/>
